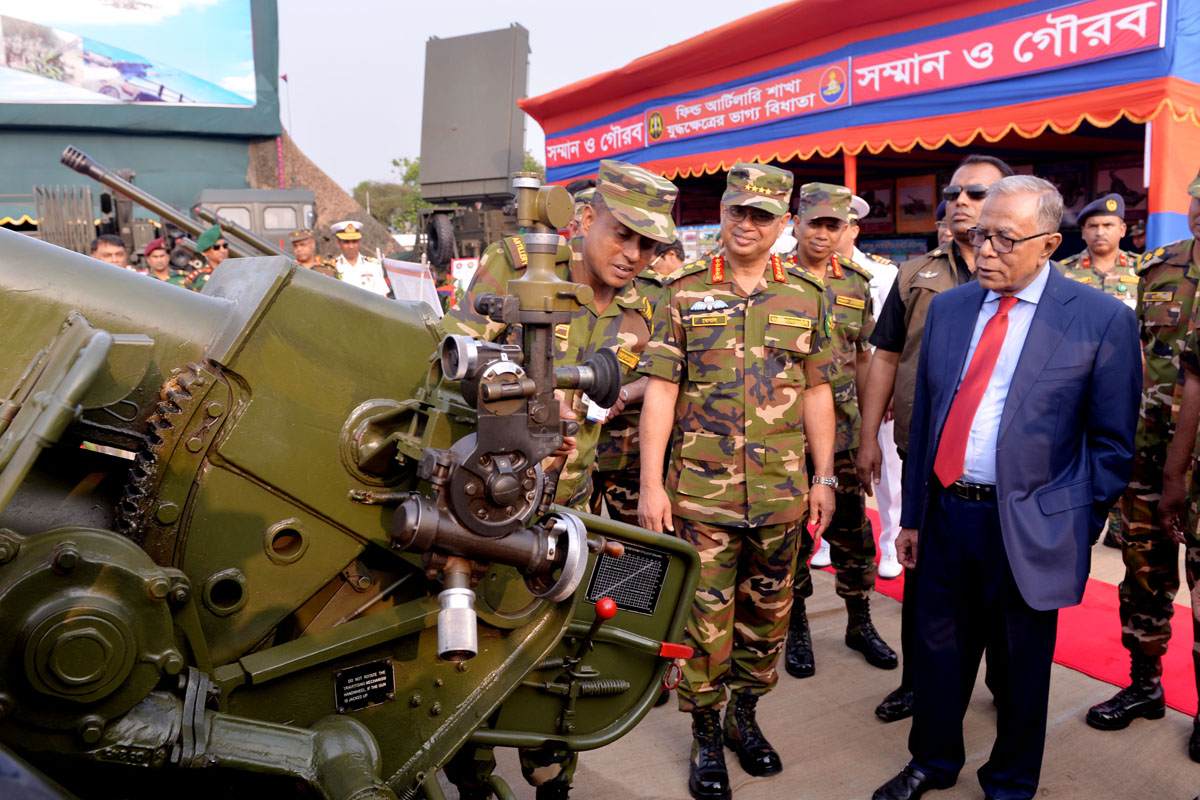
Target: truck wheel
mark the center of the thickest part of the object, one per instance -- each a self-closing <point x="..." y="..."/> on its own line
<point x="439" y="233"/>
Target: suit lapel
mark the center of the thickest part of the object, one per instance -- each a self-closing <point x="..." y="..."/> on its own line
<point x="1050" y="321"/>
<point x="961" y="323"/>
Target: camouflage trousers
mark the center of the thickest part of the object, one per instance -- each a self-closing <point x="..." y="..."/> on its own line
<point x="1151" y="556"/>
<point x="851" y="543"/>
<point x="619" y="490"/>
<point x="738" y="620"/>
<point x="542" y="765"/>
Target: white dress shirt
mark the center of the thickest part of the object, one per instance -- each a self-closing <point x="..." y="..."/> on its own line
<point x="883" y="275"/>
<point x="979" y="466"/>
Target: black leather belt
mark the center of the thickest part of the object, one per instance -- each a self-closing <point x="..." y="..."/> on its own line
<point x="978" y="492"/>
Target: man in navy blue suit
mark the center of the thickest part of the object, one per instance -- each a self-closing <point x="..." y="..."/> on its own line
<point x="1022" y="438"/>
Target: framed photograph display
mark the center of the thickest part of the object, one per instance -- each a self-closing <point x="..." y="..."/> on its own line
<point x="1071" y="178"/>
<point x="1123" y="177"/>
<point x="878" y="194"/>
<point x="916" y="204"/>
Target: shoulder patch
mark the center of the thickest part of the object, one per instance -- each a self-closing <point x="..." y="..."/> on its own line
<point x="514" y="246"/>
<point x="693" y="268"/>
<point x="801" y="272"/>
<point x="854" y="266"/>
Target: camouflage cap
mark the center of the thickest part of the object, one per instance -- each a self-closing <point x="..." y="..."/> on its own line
<point x="639" y="199"/>
<point x="300" y="235"/>
<point x="824" y="200"/>
<point x="584" y="198"/>
<point x="758" y="186"/>
<point x="1194" y="186"/>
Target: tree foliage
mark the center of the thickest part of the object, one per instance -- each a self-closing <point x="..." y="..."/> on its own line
<point x="531" y="164"/>
<point x="397" y="203"/>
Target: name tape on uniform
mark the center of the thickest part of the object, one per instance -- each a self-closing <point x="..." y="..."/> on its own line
<point x="627" y="357"/>
<point x="1158" y="297"/>
<point x="562" y="330"/>
<point x="852" y="302"/>
<point x="708" y="320"/>
<point x="791" y="322"/>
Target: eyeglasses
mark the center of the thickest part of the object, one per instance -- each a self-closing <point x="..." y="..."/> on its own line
<point x="1000" y="243"/>
<point x="758" y="216"/>
<point x="976" y="191"/>
<point x="221" y="246"/>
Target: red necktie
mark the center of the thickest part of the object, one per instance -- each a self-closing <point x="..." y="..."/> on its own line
<point x="952" y="451"/>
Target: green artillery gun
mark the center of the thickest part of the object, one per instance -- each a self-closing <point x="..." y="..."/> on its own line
<point x="287" y="536"/>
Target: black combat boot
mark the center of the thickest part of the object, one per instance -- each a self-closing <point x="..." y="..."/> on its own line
<point x="798" y="655"/>
<point x="862" y="636"/>
<point x="1194" y="740"/>
<point x="745" y="738"/>
<point x="1143" y="697"/>
<point x="708" y="779"/>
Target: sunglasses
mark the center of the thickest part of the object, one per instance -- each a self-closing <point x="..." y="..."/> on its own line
<point x="976" y="191"/>
<point x="758" y="216"/>
<point x="224" y="246"/>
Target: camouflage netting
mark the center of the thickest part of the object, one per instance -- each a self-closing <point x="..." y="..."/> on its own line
<point x="333" y="203"/>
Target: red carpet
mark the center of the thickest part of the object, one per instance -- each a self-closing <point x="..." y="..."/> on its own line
<point x="1089" y="638"/>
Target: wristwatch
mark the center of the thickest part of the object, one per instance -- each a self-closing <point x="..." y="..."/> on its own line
<point x="832" y="483"/>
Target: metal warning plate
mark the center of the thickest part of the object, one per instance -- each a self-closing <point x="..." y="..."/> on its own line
<point x="634" y="580"/>
<point x="363" y="686"/>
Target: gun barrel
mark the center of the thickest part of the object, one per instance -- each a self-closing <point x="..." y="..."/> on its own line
<point x="82" y="163"/>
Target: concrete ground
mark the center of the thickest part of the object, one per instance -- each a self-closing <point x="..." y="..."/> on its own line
<point x="834" y="748"/>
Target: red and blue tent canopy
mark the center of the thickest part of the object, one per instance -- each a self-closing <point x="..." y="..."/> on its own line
<point x="811" y="77"/>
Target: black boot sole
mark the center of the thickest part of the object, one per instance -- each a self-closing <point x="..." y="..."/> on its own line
<point x="861" y="647"/>
<point x="1120" y="724"/>
<point x="726" y="795"/>
<point x="747" y="765"/>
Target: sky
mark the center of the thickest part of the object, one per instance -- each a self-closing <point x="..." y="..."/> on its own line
<point x="356" y="69"/>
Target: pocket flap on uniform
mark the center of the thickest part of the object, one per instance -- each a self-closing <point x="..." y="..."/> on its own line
<point x="1060" y="498"/>
<point x="788" y="446"/>
<point x="796" y="340"/>
<point x="712" y="447"/>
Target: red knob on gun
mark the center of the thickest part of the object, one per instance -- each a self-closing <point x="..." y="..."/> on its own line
<point x="606" y="608"/>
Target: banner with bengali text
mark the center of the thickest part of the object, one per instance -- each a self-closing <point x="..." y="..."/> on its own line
<point x="1074" y="34"/>
<point x="1062" y="38"/>
<point x="790" y="95"/>
<point x="599" y="142"/>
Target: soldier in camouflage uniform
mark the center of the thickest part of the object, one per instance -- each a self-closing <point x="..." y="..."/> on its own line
<point x="583" y="199"/>
<point x="629" y="212"/>
<point x="618" y="472"/>
<point x="824" y="215"/>
<point x="1103" y="264"/>
<point x="1167" y="311"/>
<point x="740" y="364"/>
<point x="1184" y="457"/>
